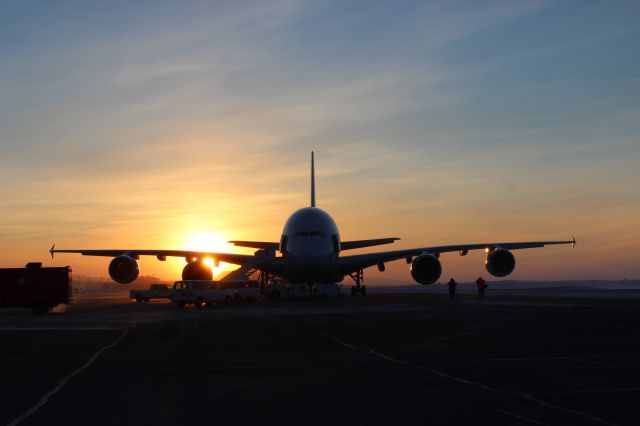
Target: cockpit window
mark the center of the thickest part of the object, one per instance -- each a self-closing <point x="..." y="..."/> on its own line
<point x="309" y="234"/>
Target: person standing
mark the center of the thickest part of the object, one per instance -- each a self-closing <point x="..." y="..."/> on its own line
<point x="452" y="288"/>
<point x="482" y="285"/>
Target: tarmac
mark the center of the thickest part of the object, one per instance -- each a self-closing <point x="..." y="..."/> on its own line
<point x="515" y="358"/>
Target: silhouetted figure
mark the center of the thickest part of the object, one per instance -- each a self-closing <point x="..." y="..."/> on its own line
<point x="452" y="288"/>
<point x="482" y="285"/>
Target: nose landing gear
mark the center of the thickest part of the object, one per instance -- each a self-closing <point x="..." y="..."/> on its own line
<point x="359" y="287"/>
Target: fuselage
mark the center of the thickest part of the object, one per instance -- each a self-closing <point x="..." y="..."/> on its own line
<point x="310" y="246"/>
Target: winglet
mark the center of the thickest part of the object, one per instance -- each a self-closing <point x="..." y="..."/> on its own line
<point x="313" y="182"/>
<point x="52" y="250"/>
<point x="573" y="244"/>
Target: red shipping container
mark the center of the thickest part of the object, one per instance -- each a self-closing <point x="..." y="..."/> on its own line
<point x="35" y="287"/>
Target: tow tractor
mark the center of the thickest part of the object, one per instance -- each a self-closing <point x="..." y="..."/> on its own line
<point x="199" y="293"/>
<point x="275" y="287"/>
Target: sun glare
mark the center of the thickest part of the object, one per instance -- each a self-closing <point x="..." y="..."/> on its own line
<point x="209" y="241"/>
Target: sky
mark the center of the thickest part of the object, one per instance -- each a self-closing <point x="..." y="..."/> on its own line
<point x="181" y="125"/>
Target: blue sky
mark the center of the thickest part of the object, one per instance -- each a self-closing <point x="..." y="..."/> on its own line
<point x="440" y="122"/>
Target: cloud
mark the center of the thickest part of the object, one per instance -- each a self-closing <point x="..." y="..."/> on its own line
<point x="125" y="124"/>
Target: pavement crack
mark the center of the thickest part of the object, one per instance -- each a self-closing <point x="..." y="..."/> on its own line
<point x="65" y="379"/>
<point x="510" y="414"/>
<point x="488" y="388"/>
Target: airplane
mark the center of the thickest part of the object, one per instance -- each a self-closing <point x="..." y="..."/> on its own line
<point x="310" y="252"/>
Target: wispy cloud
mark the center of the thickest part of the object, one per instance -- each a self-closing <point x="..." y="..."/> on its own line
<point x="433" y="121"/>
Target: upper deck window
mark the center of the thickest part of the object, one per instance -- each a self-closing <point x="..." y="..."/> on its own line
<point x="309" y="234"/>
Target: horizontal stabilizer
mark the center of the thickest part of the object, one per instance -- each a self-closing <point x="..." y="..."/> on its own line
<point x="350" y="245"/>
<point x="264" y="245"/>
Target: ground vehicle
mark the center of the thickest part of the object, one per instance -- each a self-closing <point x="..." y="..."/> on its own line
<point x="327" y="290"/>
<point x="296" y="291"/>
<point x="199" y="293"/>
<point x="155" y="291"/>
<point x="35" y="287"/>
<point x="242" y="290"/>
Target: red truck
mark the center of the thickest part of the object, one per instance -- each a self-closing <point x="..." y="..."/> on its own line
<point x="35" y="287"/>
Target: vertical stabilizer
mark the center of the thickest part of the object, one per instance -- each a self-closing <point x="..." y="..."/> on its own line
<point x="313" y="182"/>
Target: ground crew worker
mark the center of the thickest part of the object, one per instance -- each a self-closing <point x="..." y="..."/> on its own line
<point x="482" y="285"/>
<point x="452" y="288"/>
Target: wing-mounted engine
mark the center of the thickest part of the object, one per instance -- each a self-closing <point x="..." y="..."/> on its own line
<point x="500" y="262"/>
<point x="197" y="270"/>
<point x="426" y="269"/>
<point x="123" y="269"/>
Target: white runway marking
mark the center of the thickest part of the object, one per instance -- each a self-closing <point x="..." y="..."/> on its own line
<point x="37" y="358"/>
<point x="583" y="359"/>
<point x="305" y="365"/>
<point x="64" y="381"/>
<point x="517" y="303"/>
<point x="104" y="320"/>
<point x="56" y="328"/>
<point x="594" y="391"/>
<point x="524" y="395"/>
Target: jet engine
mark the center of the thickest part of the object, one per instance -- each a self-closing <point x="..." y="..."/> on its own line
<point x="426" y="269"/>
<point x="197" y="270"/>
<point x="500" y="262"/>
<point x="123" y="269"/>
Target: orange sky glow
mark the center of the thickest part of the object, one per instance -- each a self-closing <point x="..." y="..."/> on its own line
<point x="488" y="123"/>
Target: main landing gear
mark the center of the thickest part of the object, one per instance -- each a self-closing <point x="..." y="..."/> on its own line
<point x="359" y="287"/>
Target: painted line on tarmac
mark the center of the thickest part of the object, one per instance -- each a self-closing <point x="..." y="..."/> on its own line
<point x="516" y="303"/>
<point x="37" y="358"/>
<point x="584" y="359"/>
<point x="524" y="395"/>
<point x="594" y="391"/>
<point x="64" y="381"/>
<point x="231" y="367"/>
<point x="57" y="328"/>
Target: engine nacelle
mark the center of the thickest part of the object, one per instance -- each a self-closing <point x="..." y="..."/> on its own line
<point x="500" y="262"/>
<point x="426" y="269"/>
<point x="123" y="269"/>
<point x="197" y="270"/>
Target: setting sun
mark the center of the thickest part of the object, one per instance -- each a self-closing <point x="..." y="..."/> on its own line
<point x="210" y="241"/>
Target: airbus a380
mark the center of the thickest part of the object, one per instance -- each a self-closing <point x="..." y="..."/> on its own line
<point x="310" y="252"/>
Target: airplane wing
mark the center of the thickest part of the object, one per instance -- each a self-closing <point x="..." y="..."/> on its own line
<point x="350" y="264"/>
<point x="264" y="245"/>
<point x="237" y="259"/>
<point x="350" y="245"/>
